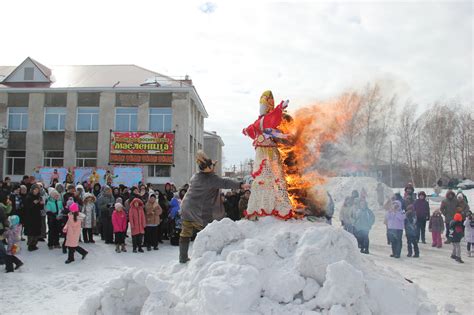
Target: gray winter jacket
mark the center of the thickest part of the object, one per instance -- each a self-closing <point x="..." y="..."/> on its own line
<point x="202" y="203"/>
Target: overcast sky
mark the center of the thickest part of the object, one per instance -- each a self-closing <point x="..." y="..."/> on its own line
<point x="233" y="51"/>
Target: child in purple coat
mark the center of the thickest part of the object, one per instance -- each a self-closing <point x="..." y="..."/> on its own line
<point x="13" y="237"/>
<point x="395" y="221"/>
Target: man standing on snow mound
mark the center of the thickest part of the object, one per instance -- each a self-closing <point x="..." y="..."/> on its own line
<point x="269" y="191"/>
<point x="202" y="203"/>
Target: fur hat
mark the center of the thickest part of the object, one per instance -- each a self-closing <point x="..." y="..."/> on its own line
<point x="74" y="207"/>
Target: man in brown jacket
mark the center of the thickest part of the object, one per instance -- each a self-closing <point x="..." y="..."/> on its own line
<point x="202" y="203"/>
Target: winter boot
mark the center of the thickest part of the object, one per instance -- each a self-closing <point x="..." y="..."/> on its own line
<point x="117" y="248"/>
<point x="183" y="249"/>
<point x="124" y="249"/>
<point x="140" y="250"/>
<point x="459" y="260"/>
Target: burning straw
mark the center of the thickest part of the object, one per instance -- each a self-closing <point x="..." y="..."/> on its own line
<point x="309" y="128"/>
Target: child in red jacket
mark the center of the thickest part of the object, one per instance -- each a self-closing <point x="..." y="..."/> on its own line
<point x="119" y="223"/>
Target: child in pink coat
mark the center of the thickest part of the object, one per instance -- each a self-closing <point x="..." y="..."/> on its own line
<point x="137" y="223"/>
<point x="119" y="222"/>
<point x="73" y="229"/>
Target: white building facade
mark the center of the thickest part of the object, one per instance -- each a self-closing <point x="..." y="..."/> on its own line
<point x="63" y="117"/>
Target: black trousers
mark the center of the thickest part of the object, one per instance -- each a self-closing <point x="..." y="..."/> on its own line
<point x="11" y="260"/>
<point x="363" y="239"/>
<point x="87" y="235"/>
<point x="72" y="250"/>
<point x="54" y="230"/>
<point x="137" y="241"/>
<point x="151" y="236"/>
<point x="420" y="228"/>
<point x="119" y="238"/>
<point x="396" y="241"/>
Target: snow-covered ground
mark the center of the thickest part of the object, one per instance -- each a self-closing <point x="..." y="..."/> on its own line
<point x="45" y="285"/>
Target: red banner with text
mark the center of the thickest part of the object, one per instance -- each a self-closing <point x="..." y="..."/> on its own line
<point x="142" y="147"/>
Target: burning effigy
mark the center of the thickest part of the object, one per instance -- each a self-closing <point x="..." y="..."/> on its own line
<point x="286" y="181"/>
<point x="269" y="191"/>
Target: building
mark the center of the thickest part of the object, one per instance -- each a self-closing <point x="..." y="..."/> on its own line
<point x="213" y="147"/>
<point x="66" y="116"/>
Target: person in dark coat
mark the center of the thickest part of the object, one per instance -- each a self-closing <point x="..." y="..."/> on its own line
<point x="34" y="205"/>
<point x="456" y="234"/>
<point x="202" y="203"/>
<point x="169" y="192"/>
<point x="97" y="189"/>
<point x="422" y="210"/>
<point x="448" y="209"/>
<point x="105" y="207"/>
<point x="411" y="232"/>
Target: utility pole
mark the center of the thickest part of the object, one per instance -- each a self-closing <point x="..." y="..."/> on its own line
<point x="391" y="168"/>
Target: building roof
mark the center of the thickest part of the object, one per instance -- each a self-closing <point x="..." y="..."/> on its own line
<point x="213" y="135"/>
<point x="93" y="77"/>
<point x="89" y="76"/>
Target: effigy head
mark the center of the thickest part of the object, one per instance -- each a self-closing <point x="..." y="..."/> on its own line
<point x="266" y="102"/>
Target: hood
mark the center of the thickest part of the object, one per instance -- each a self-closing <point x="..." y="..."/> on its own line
<point x="79" y="186"/>
<point x="132" y="204"/>
<point x="89" y="195"/>
<point x="450" y="192"/>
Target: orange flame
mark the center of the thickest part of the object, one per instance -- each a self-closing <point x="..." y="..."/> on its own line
<point x="310" y="128"/>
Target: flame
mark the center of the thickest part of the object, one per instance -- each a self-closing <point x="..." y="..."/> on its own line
<point x="309" y="129"/>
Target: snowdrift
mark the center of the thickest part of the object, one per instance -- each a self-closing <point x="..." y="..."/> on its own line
<point x="264" y="267"/>
<point x="342" y="187"/>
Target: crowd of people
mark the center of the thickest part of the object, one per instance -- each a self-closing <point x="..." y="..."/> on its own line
<point x="64" y="215"/>
<point x="411" y="213"/>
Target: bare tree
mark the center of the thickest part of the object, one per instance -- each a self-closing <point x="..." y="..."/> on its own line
<point x="406" y="132"/>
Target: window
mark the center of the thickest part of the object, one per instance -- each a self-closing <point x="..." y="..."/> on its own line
<point x="18" y="118"/>
<point x="86" y="158"/>
<point x="29" y="73"/>
<point x="126" y="119"/>
<point x="56" y="99"/>
<point x="15" y="162"/>
<point x="160" y="119"/>
<point x="54" y="118"/>
<point x="159" y="170"/>
<point x="88" y="99"/>
<point x="53" y="158"/>
<point x="87" y="119"/>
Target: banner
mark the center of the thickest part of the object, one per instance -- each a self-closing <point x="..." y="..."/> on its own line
<point x="83" y="174"/>
<point x="141" y="147"/>
<point x="44" y="174"/>
<point x="127" y="176"/>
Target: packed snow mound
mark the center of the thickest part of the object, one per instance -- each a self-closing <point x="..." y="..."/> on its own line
<point x="342" y="187"/>
<point x="264" y="267"/>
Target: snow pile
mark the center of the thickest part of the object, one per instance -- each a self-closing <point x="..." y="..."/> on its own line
<point x="264" y="267"/>
<point x="342" y="187"/>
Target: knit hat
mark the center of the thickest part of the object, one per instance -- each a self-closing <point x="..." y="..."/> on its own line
<point x="458" y="217"/>
<point x="74" y="207"/>
<point x="118" y="205"/>
<point x="267" y="102"/>
<point x="13" y="220"/>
